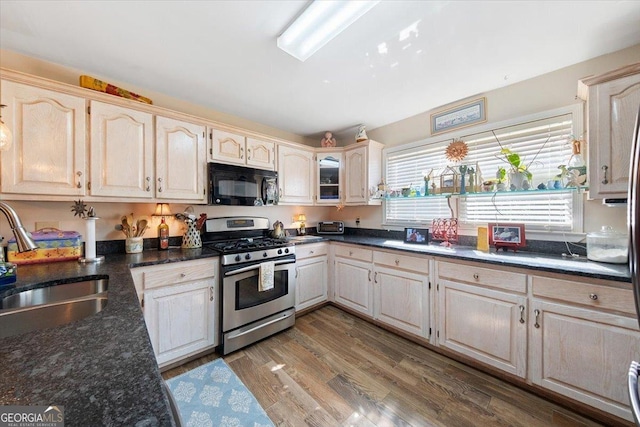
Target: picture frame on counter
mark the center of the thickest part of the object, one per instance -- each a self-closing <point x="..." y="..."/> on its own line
<point x="506" y="235"/>
<point x="416" y="235"/>
<point x="464" y="115"/>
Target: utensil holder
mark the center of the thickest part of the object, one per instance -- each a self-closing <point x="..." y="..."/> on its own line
<point x="191" y="238"/>
<point x="133" y="245"/>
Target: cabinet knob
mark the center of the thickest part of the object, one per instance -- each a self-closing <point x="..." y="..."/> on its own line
<point x="79" y="185"/>
<point x="604" y="174"/>
<point x="476" y="276"/>
<point x="183" y="275"/>
<point x="311" y="252"/>
<point x="350" y="253"/>
<point x="397" y="262"/>
<point x="593" y="296"/>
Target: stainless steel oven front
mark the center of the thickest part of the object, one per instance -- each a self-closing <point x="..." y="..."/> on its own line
<point x="249" y="314"/>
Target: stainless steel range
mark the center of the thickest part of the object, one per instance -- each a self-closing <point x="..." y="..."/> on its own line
<point x="253" y="305"/>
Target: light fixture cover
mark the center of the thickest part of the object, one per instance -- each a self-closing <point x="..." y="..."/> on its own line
<point x="162" y="209"/>
<point x="320" y="22"/>
<point x="302" y="217"/>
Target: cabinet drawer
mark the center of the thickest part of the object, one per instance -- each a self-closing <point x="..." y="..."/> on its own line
<point x="588" y="294"/>
<point x="178" y="272"/>
<point x="354" y="252"/>
<point x="307" y="251"/>
<point x="420" y="265"/>
<point x="496" y="278"/>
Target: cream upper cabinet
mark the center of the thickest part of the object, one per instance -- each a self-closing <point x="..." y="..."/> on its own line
<point x="482" y="314"/>
<point x="261" y="154"/>
<point x="180" y="160"/>
<point x="49" y="142"/>
<point x="363" y="170"/>
<point x="329" y="178"/>
<point x="583" y="336"/>
<point x="612" y="103"/>
<point x="311" y="275"/>
<point x="232" y="148"/>
<point x="401" y="292"/>
<point x="122" y="155"/>
<point x="296" y="169"/>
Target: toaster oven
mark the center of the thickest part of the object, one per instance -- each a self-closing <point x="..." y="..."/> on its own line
<point x="330" y="227"/>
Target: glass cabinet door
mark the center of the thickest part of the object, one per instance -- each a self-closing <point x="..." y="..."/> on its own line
<point x="329" y="178"/>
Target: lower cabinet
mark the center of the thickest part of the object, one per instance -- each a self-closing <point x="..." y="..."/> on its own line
<point x="352" y="284"/>
<point x="180" y="304"/>
<point x="582" y="352"/>
<point x="311" y="275"/>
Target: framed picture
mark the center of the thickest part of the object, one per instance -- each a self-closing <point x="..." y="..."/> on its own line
<point x="461" y="116"/>
<point x="502" y="235"/>
<point x="416" y="235"/>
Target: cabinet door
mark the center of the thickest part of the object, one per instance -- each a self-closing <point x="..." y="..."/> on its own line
<point x="484" y="324"/>
<point x="311" y="281"/>
<point x="352" y="285"/>
<point x="329" y="178"/>
<point x="121" y="152"/>
<point x="227" y="147"/>
<point x="584" y="354"/>
<point x="401" y="299"/>
<point x="261" y="154"/>
<point x="295" y="176"/>
<point x="613" y="107"/>
<point x="180" y="319"/>
<point x="49" y="143"/>
<point x="356" y="179"/>
<point x="180" y="160"/>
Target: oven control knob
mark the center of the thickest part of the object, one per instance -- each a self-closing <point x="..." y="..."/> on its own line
<point x="238" y="258"/>
<point x="279" y="251"/>
<point x="247" y="256"/>
<point x="286" y="251"/>
<point x="264" y="255"/>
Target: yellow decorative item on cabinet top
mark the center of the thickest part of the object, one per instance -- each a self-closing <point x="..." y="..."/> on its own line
<point x="100" y="86"/>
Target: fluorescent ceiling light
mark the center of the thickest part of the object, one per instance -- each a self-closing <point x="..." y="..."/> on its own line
<point x="319" y="24"/>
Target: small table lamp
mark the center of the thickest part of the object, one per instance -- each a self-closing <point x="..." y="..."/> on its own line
<point x="302" y="230"/>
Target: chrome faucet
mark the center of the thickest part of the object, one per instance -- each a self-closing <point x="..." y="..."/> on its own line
<point x="23" y="240"/>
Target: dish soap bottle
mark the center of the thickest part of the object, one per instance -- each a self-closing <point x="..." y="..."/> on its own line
<point x="576" y="166"/>
<point x="163" y="235"/>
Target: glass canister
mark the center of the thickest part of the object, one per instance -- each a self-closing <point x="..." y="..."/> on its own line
<point x="608" y="245"/>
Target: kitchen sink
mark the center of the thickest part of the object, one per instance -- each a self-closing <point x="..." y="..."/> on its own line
<point x="55" y="293"/>
<point x="51" y="306"/>
<point x="23" y="320"/>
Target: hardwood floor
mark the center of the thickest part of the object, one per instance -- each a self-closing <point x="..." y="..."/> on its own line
<point x="334" y="369"/>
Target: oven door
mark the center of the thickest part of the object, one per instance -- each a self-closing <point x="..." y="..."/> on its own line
<point x="243" y="303"/>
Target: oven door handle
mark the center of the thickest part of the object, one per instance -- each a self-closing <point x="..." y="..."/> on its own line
<point x="255" y="266"/>
<point x="234" y="335"/>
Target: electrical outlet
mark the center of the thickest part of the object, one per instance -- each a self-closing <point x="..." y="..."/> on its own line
<point x="47" y="224"/>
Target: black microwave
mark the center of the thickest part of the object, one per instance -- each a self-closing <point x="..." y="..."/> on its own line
<point x="241" y="186"/>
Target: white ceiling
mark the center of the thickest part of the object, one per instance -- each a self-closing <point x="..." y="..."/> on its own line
<point x="223" y="54"/>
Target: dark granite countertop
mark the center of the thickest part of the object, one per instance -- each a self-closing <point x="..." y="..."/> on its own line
<point x="101" y="369"/>
<point x="534" y="261"/>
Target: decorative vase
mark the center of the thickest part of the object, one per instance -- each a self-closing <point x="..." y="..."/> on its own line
<point x="517" y="179"/>
<point x="133" y="245"/>
<point x="191" y="238"/>
<point x="463" y="190"/>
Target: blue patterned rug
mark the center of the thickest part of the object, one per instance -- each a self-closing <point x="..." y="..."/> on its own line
<point x="213" y="395"/>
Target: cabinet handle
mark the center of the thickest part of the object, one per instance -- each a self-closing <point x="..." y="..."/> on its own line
<point x="210" y="293"/>
<point x="159" y="185"/>
<point x="536" y="312"/>
<point x="604" y="174"/>
<point x="280" y="195"/>
<point x="296" y="272"/>
<point x="148" y="183"/>
<point x="311" y="252"/>
<point x="476" y="276"/>
<point x="248" y="153"/>
<point x="241" y="153"/>
<point x="522" y="314"/>
<point x="79" y="183"/>
<point x="362" y="192"/>
<point x="369" y="275"/>
<point x="350" y="253"/>
<point x="593" y="296"/>
<point x="183" y="275"/>
<point x="397" y="262"/>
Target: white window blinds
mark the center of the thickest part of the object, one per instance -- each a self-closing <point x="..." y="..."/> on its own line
<point x="543" y="144"/>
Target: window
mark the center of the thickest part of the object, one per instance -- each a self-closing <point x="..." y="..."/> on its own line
<point x="543" y="142"/>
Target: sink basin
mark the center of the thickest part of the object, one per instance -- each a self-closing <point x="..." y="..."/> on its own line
<point x="55" y="293"/>
<point x="23" y="320"/>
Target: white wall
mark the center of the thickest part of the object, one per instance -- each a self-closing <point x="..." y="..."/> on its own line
<point x="545" y="92"/>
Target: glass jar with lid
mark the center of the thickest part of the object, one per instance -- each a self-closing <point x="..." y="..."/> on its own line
<point x="608" y="245"/>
